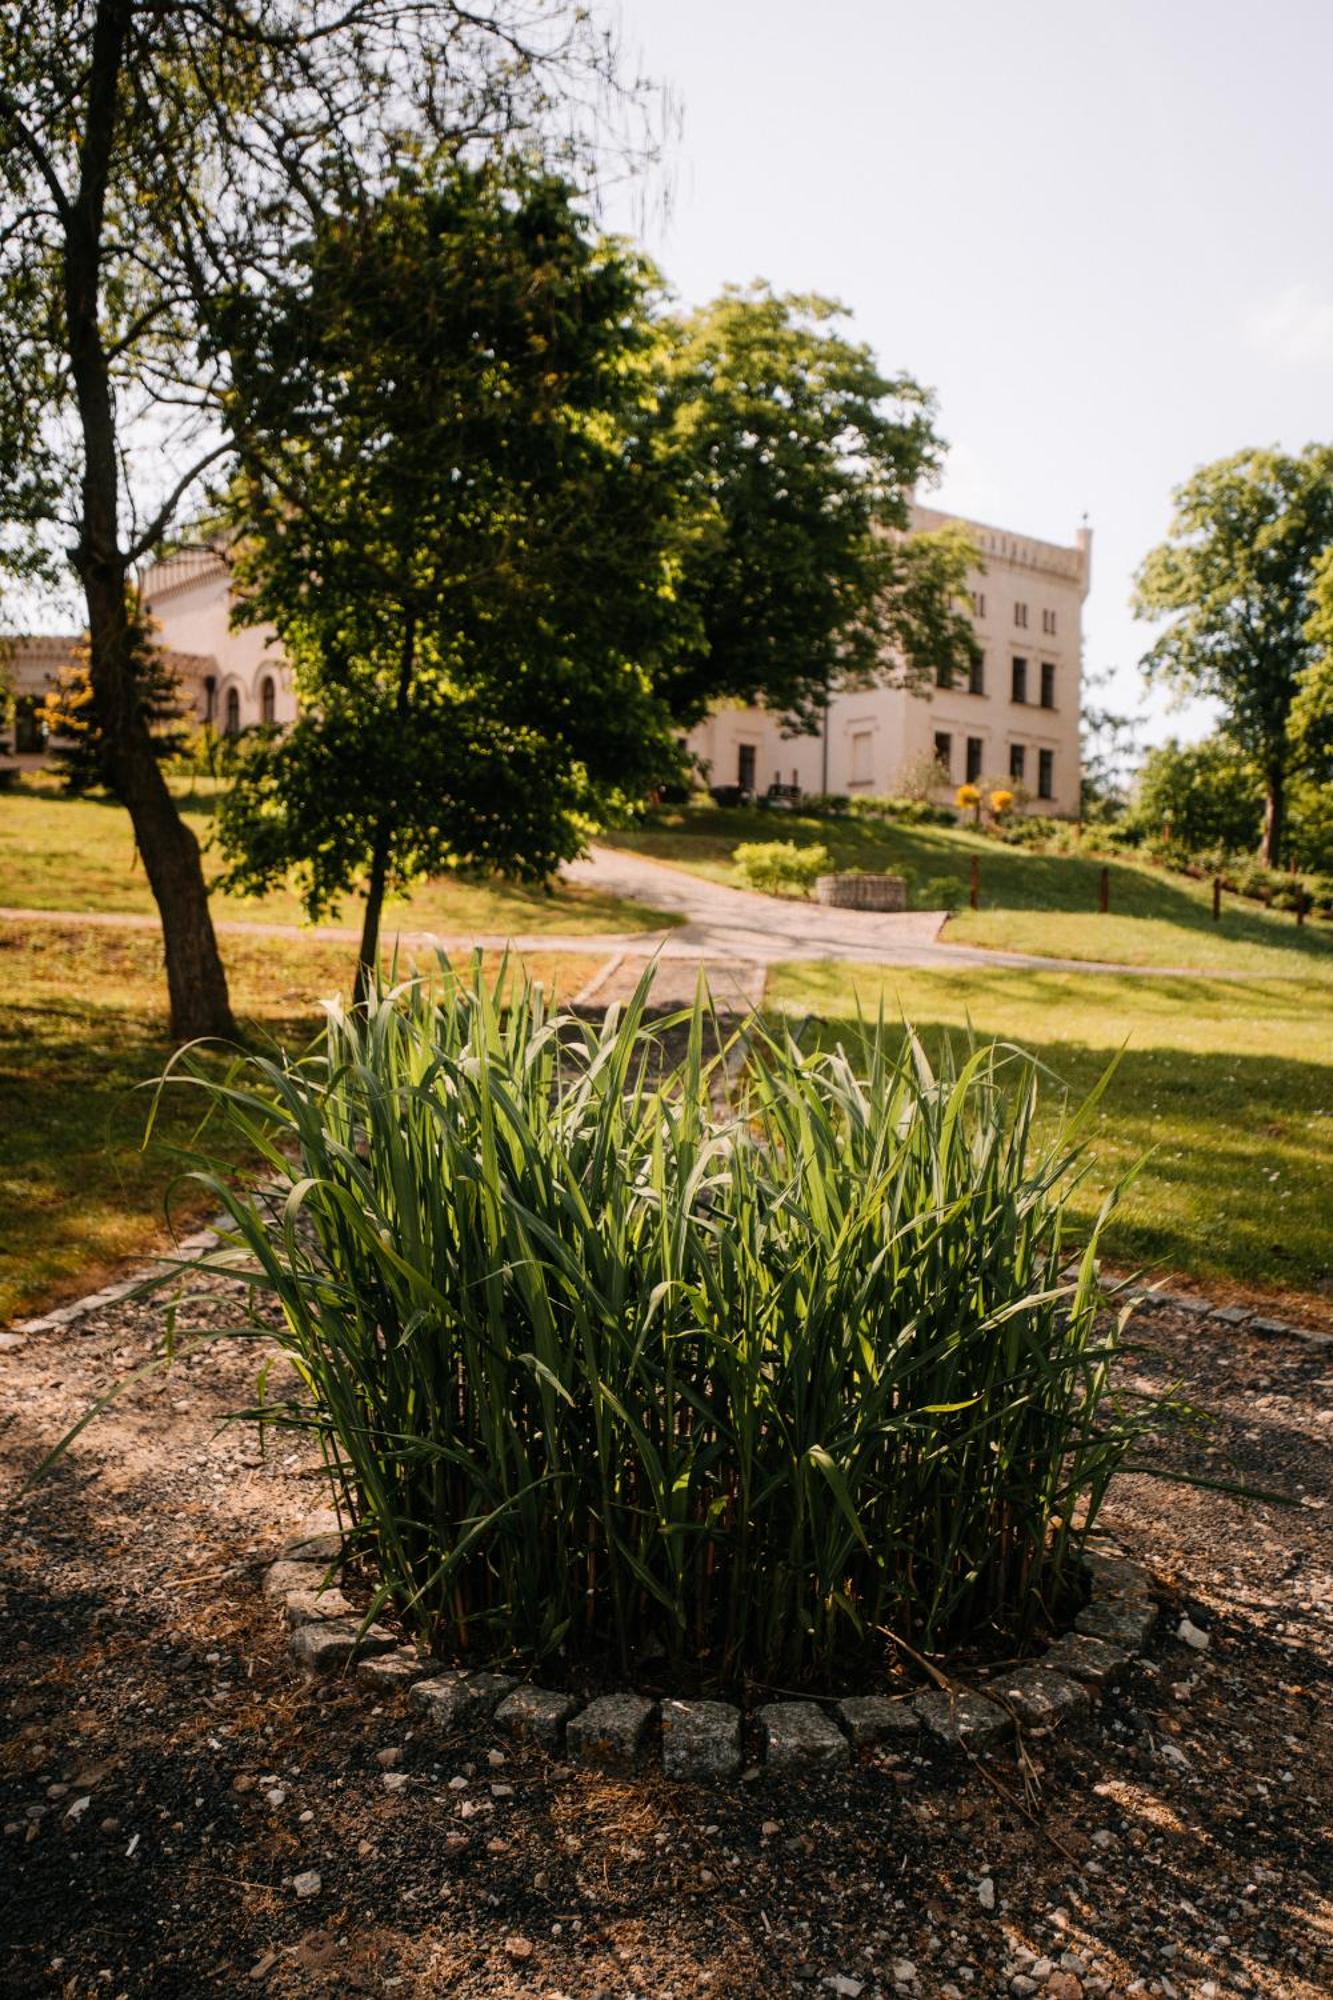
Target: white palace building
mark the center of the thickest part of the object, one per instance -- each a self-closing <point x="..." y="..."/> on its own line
<point x="1015" y="723"/>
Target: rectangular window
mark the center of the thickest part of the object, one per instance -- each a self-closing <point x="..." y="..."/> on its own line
<point x="974" y="748"/>
<point x="944" y="751"/>
<point x="944" y="674"/>
<point x="863" y="765"/>
<point x="1046" y="774"/>
<point x="1018" y="685"/>
<point x="1018" y="760"/>
<point x="1021" y="615"/>
<point x="745" y="763"/>
<point x="976" y="675"/>
<point x="1048" y="622"/>
<point x="1048" y="684"/>
<point x="978" y="604"/>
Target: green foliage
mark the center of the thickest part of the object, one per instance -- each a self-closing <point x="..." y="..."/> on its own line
<point x="1311" y="721"/>
<point x="457" y="513"/>
<point x="1236" y="584"/>
<point x="906" y="811"/>
<point x="802" y="455"/>
<point x="597" y="1361"/>
<point x="940" y="892"/>
<point x="781" y="867"/>
<point x="70" y="711"/>
<point x="1200" y="795"/>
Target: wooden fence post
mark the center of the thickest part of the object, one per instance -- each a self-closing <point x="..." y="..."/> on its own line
<point x="1217" y="899"/>
<point x="974" y="887"/>
<point x="1104" y="891"/>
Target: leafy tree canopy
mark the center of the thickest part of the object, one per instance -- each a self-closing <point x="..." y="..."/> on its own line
<point x="1202" y="795"/>
<point x="805" y="455"/>
<point x="1235" y="584"/>
<point x="154" y="157"/>
<point x="457" y="507"/>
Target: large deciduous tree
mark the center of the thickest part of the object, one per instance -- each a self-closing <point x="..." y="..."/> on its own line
<point x="1235" y="582"/>
<point x="458" y="507"/>
<point x="807" y="454"/>
<point x="155" y="154"/>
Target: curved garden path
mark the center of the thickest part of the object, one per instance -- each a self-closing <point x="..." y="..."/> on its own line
<point x="734" y="935"/>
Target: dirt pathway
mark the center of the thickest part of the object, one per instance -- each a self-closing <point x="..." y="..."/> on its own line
<point x="165" y="1777"/>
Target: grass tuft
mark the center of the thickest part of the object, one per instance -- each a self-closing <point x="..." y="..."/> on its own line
<point x="607" y="1352"/>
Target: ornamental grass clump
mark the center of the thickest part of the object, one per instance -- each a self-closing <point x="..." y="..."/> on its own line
<point x="626" y="1338"/>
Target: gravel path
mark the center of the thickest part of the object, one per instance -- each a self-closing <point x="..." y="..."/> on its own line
<point x="165" y="1778"/>
<point x="734" y="933"/>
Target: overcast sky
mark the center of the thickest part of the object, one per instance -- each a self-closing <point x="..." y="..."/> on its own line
<point x="1103" y="233"/>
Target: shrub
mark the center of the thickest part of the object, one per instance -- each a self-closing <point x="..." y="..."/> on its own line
<point x="780" y="867"/>
<point x="905" y="811"/>
<point x="826" y="805"/>
<point x="941" y="892"/>
<point x="598" y="1359"/>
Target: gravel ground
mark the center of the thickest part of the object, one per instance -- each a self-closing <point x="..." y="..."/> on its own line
<point x="166" y="1780"/>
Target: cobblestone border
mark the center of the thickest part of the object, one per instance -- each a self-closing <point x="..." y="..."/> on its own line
<point x="1229" y="1316"/>
<point x="193" y="1245"/>
<point x="705" y="1740"/>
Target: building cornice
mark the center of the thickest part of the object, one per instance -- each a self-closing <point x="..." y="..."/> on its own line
<point x="1002" y="545"/>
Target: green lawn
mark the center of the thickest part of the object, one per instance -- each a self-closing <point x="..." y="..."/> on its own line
<point x="82" y="1029"/>
<point x="1040" y="903"/>
<point x="58" y="853"/>
<point x="1227" y="1088"/>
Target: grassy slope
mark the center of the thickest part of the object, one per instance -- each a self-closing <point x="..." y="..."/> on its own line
<point x="81" y="1029"/>
<point x="1228" y="1088"/>
<point x="1046" y="904"/>
<point x="78" y="854"/>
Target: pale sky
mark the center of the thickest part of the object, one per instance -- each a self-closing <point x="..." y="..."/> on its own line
<point x="1103" y="233"/>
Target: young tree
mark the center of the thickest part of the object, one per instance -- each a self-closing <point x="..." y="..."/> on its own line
<point x="69" y="711"/>
<point x="1235" y="582"/>
<point x="152" y="157"/>
<point x="1202" y="795"/>
<point x="457" y="508"/>
<point x="1108" y="750"/>
<point x="802" y="575"/>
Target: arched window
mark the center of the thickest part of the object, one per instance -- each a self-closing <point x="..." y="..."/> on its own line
<point x="210" y="699"/>
<point x="233" y="712"/>
<point x="268" y="702"/>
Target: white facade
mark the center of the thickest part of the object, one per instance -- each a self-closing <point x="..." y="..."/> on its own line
<point x="1016" y="725"/>
<point x="243" y="679"/>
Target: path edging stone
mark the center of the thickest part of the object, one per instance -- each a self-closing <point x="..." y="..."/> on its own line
<point x="704" y="1740"/>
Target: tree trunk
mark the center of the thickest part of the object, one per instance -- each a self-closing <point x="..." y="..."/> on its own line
<point x="367" y="962"/>
<point x="196" y="981"/>
<point x="1275" y="818"/>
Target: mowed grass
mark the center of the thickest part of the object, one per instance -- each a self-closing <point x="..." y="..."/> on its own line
<point x="1227" y="1088"/>
<point x="58" y="853"/>
<point x="83" y="1031"/>
<point x="1044" y="904"/>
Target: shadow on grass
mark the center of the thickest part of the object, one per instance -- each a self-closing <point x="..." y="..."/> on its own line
<point x="1235" y="1177"/>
